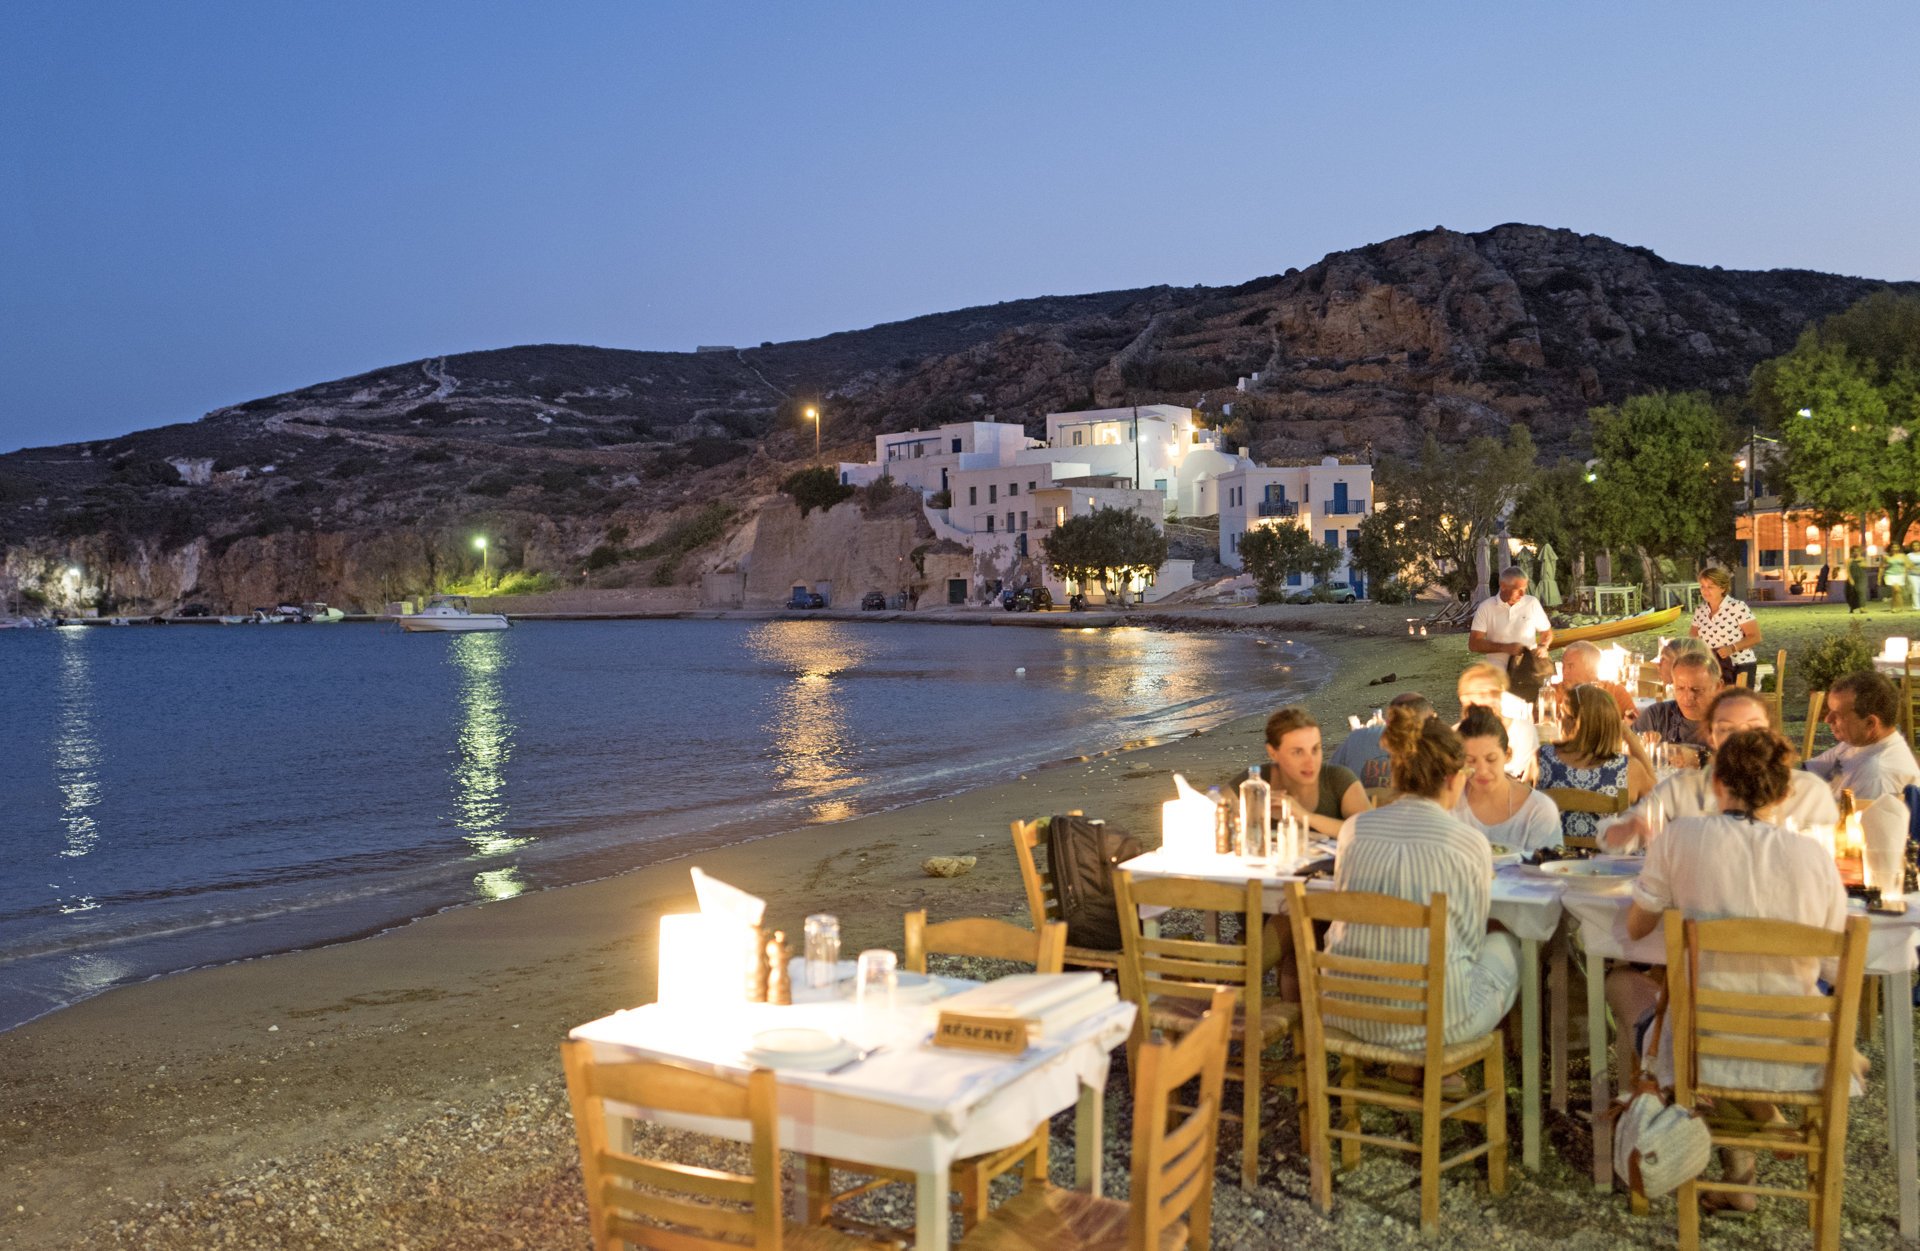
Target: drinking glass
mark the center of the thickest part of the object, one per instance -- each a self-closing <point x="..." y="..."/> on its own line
<point x="822" y="950"/>
<point x="1883" y="865"/>
<point x="874" y="981"/>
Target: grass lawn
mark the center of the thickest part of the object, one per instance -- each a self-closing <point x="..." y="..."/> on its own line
<point x="1800" y="628"/>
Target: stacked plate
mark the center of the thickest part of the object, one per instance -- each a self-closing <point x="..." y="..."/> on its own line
<point x="807" y="1049"/>
<point x="1602" y="875"/>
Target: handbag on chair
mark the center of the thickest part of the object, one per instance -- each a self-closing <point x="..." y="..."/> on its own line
<point x="1656" y="1144"/>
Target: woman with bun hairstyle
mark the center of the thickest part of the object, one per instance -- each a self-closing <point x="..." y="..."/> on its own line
<point x="1733" y="863"/>
<point x="1502" y="807"/>
<point x="1413" y="849"/>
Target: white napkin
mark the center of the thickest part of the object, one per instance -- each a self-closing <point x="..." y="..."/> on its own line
<point x="717" y="898"/>
<point x="1883" y="827"/>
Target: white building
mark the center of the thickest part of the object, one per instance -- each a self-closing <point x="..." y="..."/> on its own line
<point x="1329" y="499"/>
<point x="1157" y="446"/>
<point x="926" y="459"/>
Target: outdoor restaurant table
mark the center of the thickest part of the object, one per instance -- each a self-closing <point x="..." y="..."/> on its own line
<point x="909" y="1106"/>
<point x="1629" y="597"/>
<point x="1602" y="923"/>
<point x="1682" y="593"/>
<point x="1529" y="908"/>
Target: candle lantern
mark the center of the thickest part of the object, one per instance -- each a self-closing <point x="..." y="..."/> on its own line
<point x="1187" y="822"/>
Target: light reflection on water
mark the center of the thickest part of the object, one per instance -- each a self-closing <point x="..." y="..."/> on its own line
<point x="807" y="725"/>
<point x="483" y="746"/>
<point x="76" y="757"/>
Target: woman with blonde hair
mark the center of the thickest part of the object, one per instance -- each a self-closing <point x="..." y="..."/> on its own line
<point x="1726" y="625"/>
<point x="1592" y="756"/>
<point x="1413" y="849"/>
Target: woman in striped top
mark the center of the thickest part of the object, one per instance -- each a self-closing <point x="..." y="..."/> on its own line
<point x="1411" y="850"/>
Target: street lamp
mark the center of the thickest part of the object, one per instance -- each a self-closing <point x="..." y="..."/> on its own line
<point x="813" y="415"/>
<point x="480" y="541"/>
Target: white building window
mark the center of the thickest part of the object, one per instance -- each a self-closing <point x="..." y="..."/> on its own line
<point x="1013" y="489"/>
<point x="973" y="495"/>
<point x="989" y="523"/>
<point x="993" y="493"/>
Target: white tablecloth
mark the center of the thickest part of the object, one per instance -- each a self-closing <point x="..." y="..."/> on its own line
<point x="1603" y="931"/>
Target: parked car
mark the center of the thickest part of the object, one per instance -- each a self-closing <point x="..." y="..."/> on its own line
<point x="1027" y="599"/>
<point x="872" y="601"/>
<point x="807" y="599"/>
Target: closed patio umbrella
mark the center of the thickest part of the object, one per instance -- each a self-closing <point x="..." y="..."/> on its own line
<point x="1549" y="589"/>
<point x="1482" y="569"/>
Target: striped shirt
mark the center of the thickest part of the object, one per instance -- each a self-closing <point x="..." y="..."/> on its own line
<point x="1411" y="850"/>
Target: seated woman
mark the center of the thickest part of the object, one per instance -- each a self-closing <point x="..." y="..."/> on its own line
<point x="1808" y="807"/>
<point x="1592" y="756"/>
<point x="1505" y="809"/>
<point x="1410" y="850"/>
<point x="1733" y="863"/>
<point x="1326" y="794"/>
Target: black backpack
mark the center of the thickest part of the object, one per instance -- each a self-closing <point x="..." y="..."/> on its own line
<point x="1081" y="855"/>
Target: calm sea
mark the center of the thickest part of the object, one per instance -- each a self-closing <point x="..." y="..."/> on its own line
<point x="175" y="797"/>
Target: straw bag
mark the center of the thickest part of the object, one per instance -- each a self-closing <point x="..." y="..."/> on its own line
<point x="1656" y="1144"/>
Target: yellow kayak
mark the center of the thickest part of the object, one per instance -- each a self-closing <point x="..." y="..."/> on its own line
<point x="1640" y="623"/>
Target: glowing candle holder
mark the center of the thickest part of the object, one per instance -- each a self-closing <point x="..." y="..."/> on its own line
<point x="1896" y="650"/>
<point x="1187" y="822"/>
<point x="1850" y="849"/>
<point x="705" y="960"/>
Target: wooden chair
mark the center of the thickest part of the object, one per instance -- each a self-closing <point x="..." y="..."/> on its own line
<point x="1172" y="980"/>
<point x="1816" y="704"/>
<point x="1784" y="1029"/>
<point x="1043" y="900"/>
<point x="682" y="1207"/>
<point x="1775" y="696"/>
<point x="1910" y="705"/>
<point x="1381" y="796"/>
<point x="1334" y="987"/>
<point x="973" y="1176"/>
<point x="1576" y="799"/>
<point x="1171" y="1202"/>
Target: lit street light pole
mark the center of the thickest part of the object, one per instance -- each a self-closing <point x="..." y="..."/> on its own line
<point x="813" y="415"/>
<point x="480" y="541"/>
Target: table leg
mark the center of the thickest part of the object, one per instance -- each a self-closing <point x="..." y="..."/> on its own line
<point x="1600" y="1062"/>
<point x="930" y="1214"/>
<point x="1896" y="1002"/>
<point x="1089" y="1138"/>
<point x="1557" y="1040"/>
<point x="1530" y="1053"/>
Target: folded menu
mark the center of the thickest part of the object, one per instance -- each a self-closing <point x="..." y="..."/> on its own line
<point x="1056" y="1001"/>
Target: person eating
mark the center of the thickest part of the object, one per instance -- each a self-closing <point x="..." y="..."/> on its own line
<point x="1325" y="794"/>
<point x="1580" y="666"/>
<point x="1872" y="758"/>
<point x="1591" y="756"/>
<point x="1484" y="686"/>
<point x="1514" y="625"/>
<point x="1695" y="681"/>
<point x="1808" y="805"/>
<point x="1509" y="812"/>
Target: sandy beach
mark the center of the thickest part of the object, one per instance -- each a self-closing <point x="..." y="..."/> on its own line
<point x="404" y="1090"/>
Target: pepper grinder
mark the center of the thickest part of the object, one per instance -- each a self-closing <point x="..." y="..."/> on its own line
<point x="757" y="978"/>
<point x="779" y="982"/>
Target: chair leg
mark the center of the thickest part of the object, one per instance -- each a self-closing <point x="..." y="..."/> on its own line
<point x="1034" y="1169"/>
<point x="1495" y="1076"/>
<point x="975" y="1191"/>
<point x="1349" y="1113"/>
<point x="1319" y="1143"/>
<point x="1250" y="1091"/>
<point x="1429" y="1150"/>
<point x="1689" y="1200"/>
<point x="1826" y="1235"/>
<point x="819" y="1199"/>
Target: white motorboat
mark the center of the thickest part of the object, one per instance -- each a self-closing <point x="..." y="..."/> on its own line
<point x="451" y="614"/>
<point x="322" y="614"/>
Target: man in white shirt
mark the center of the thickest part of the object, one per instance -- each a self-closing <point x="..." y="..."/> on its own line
<point x="1808" y="807"/>
<point x="1484" y="686"/>
<point x="1872" y="758"/>
<point x="1512" y="624"/>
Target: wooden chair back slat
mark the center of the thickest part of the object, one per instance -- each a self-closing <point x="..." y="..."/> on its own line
<point x="1145" y="972"/>
<point x="688" y="1199"/>
<point x="1334" y="965"/>
<point x="1752" y="1023"/>
<point x="986" y="938"/>
<point x="1173" y="1163"/>
<point x="1576" y="799"/>
<point x="1816" y="704"/>
<point x="1327" y="996"/>
<point x="1372" y="988"/>
<point x="1707" y="997"/>
<point x="1360" y="908"/>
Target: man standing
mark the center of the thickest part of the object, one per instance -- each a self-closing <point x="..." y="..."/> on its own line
<point x="1514" y="625"/>
<point x="1696" y="680"/>
<point x="1872" y="759"/>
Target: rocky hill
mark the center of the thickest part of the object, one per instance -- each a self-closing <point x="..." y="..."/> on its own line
<point x="603" y="464"/>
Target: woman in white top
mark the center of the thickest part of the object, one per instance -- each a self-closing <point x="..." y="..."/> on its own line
<point x="1508" y="811"/>
<point x="1727" y="626"/>
<point x="1413" y="849"/>
<point x="1808" y="807"/>
<point x="1734" y="863"/>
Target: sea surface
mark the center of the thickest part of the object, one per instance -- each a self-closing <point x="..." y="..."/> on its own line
<point x="172" y="797"/>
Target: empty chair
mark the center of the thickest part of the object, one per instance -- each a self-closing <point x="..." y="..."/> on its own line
<point x="1338" y="988"/>
<point x="682" y="1207"/>
<point x="1171" y="1201"/>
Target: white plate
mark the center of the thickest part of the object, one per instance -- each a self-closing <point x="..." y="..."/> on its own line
<point x="907" y="988"/>
<point x="795" y="1042"/>
<point x="1597" y="877"/>
<point x="1504" y="855"/>
<point x="812" y="1063"/>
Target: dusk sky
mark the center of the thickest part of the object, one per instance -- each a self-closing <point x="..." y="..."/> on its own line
<point x="201" y="203"/>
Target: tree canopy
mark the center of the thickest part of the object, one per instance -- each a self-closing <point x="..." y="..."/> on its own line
<point x="1664" y="482"/>
<point x="1273" y="553"/>
<point x="1387" y="549"/>
<point x="1103" y="546"/>
<point x="1452" y="497"/>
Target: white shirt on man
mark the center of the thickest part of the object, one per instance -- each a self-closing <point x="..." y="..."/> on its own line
<point x="1883" y="768"/>
<point x="1808" y="807"/>
<point x="1518" y="622"/>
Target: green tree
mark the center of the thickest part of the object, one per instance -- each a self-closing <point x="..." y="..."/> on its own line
<point x="1385" y="550"/>
<point x="1856" y="376"/>
<point x="1452" y="497"/>
<point x="1273" y="553"/>
<point x="818" y="487"/>
<point x="1103" y="546"/>
<point x="1558" y="510"/>
<point x="1664" y="483"/>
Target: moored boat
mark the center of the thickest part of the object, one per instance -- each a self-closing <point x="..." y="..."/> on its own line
<point x="1640" y="623"/>
<point x="450" y="614"/>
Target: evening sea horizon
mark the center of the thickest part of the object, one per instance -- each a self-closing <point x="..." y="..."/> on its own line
<point x="178" y="797"/>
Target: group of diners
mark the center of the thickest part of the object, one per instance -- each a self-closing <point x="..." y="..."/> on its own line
<point x="1727" y="838"/>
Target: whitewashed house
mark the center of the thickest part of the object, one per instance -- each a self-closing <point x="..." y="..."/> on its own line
<point x="1329" y="499"/>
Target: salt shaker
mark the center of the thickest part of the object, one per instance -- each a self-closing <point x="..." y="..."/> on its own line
<point x="779" y="981"/>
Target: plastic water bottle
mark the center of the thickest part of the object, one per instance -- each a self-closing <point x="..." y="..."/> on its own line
<point x="1256" y="814"/>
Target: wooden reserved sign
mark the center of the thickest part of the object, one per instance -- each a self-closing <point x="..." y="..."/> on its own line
<point x="1005" y="1035"/>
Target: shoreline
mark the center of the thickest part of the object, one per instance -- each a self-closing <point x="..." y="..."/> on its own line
<point x="181" y="1084"/>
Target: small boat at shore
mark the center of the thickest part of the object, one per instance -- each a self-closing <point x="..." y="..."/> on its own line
<point x="450" y="614"/>
<point x="1639" y="623"/>
<point x="322" y="614"/>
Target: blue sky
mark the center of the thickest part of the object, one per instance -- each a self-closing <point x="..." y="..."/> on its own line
<point x="201" y="203"/>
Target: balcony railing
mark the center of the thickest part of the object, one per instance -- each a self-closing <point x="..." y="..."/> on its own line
<point x="1279" y="508"/>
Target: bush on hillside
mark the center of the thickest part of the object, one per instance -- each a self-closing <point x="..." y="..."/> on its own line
<point x="817" y="487"/>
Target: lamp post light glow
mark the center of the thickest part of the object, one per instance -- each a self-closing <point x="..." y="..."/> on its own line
<point x="480" y="541"/>
<point x="813" y="415"/>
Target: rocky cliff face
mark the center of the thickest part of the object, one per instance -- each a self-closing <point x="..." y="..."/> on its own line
<point x="572" y="458"/>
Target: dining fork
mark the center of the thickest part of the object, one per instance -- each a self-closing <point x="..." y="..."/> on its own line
<point x="858" y="1057"/>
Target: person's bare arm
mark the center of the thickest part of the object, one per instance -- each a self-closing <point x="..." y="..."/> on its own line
<point x="1355" y="801"/>
<point x="1640" y="922"/>
<point x="1749" y="634"/>
<point x="1477" y="642"/>
<point x="1639" y="780"/>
